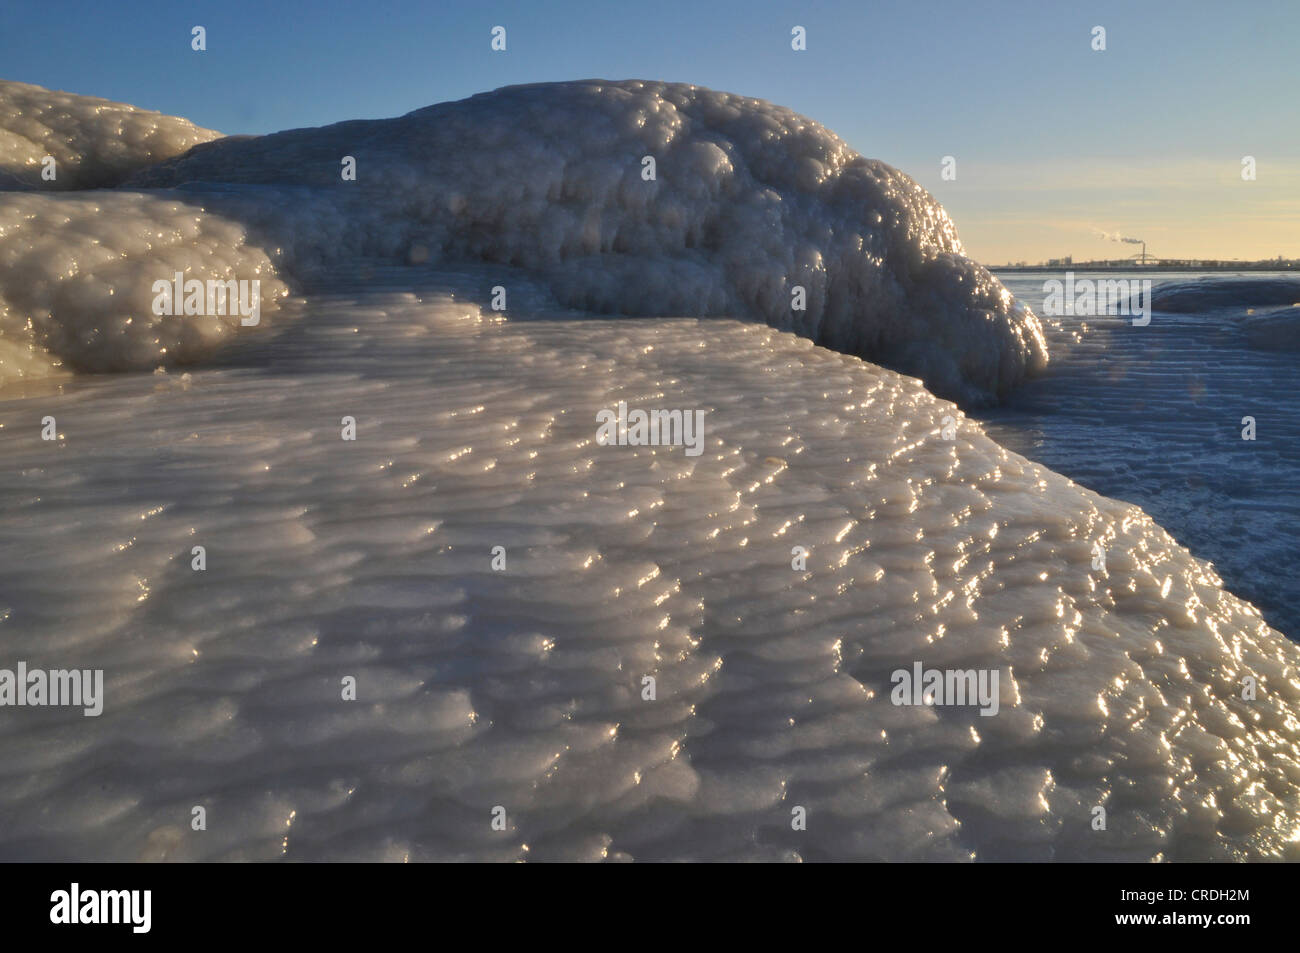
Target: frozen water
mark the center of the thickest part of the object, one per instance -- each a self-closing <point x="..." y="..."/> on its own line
<point x="749" y="200"/>
<point x="522" y="688"/>
<point x="1277" y="329"/>
<point x="77" y="272"/>
<point x="1155" y="415"/>
<point x="93" y="141"/>
<point x="1121" y="686"/>
<point x="749" y="203"/>
<point x="1233" y="292"/>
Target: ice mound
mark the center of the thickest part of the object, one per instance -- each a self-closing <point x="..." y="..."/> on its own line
<point x="749" y="200"/>
<point x="522" y="689"/>
<point x="1208" y="294"/>
<point x="95" y="142"/>
<point x="77" y="273"/>
<point x="1276" y="329"/>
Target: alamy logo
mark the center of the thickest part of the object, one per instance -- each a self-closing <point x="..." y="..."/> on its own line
<point x="1102" y="296"/>
<point x="947" y="687"/>
<point x="77" y="688"/>
<point x="653" y="428"/>
<point x="211" y="297"/>
<point x="73" y="906"/>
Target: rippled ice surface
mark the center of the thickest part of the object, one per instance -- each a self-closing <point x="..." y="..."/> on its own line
<point x="1154" y="415"/>
<point x="522" y="688"/>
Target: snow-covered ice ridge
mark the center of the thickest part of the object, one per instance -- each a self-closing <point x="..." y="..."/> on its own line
<point x="749" y="200"/>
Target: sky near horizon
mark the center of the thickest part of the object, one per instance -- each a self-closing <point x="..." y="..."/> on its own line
<point x="1054" y="143"/>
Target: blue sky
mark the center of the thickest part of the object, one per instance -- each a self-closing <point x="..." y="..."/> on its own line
<point x="1053" y="141"/>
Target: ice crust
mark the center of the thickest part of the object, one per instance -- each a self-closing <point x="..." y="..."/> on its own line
<point x="1208" y="294"/>
<point x="95" y="142"/>
<point x="1277" y="329"/>
<point x="749" y="200"/>
<point x="1253" y="302"/>
<point x="1120" y="688"/>
<point x="77" y="273"/>
<point x="76" y="270"/>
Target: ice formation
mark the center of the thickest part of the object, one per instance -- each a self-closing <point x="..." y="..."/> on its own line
<point x="749" y="200"/>
<point x="1155" y="415"/>
<point x="1274" y="329"/>
<point x="753" y="211"/>
<point x="76" y="269"/>
<point x="94" y="142"/>
<point x="523" y="689"/>
<point x="77" y="273"/>
<point x="1206" y="294"/>
<point x="1271" y="305"/>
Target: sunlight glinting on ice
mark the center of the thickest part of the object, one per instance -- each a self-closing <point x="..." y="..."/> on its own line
<point x="748" y="202"/>
<point x="1120" y="687"/>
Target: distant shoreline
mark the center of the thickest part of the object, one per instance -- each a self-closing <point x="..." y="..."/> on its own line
<point x="1171" y="265"/>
